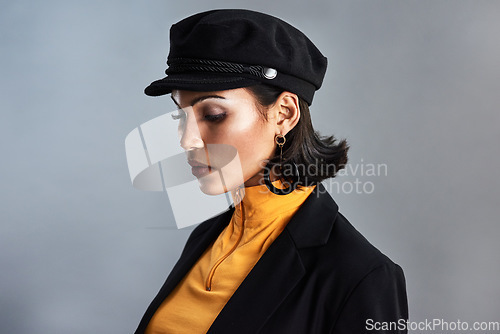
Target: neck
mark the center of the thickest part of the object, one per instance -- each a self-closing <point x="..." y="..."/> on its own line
<point x="261" y="204"/>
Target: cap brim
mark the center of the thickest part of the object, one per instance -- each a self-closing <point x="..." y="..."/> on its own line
<point x="204" y="82"/>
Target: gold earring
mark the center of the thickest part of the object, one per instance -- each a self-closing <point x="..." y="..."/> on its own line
<point x="280" y="140"/>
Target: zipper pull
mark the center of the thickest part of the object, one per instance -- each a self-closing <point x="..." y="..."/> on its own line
<point x="240" y="192"/>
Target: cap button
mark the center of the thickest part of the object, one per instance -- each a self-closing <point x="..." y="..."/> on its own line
<point x="269" y="73"/>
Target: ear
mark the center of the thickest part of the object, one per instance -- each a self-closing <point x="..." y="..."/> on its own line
<point x="287" y="112"/>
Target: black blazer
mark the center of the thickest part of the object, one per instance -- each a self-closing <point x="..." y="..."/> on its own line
<point x="319" y="276"/>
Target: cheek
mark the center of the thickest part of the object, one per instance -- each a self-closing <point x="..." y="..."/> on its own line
<point x="251" y="137"/>
<point x="254" y="144"/>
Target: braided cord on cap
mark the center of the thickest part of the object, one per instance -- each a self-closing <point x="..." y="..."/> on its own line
<point x="183" y="65"/>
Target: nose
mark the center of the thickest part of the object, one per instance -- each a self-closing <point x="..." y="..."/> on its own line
<point x="190" y="137"/>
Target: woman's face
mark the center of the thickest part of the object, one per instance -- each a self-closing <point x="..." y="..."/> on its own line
<point x="226" y="139"/>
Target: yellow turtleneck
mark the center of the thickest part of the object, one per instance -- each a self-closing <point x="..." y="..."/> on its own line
<point x="256" y="222"/>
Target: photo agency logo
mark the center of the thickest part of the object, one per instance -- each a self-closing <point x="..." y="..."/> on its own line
<point x="157" y="162"/>
<point x="435" y="325"/>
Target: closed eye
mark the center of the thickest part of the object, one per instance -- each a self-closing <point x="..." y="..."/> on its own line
<point x="216" y="117"/>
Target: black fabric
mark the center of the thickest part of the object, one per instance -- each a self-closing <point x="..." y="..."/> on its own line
<point x="319" y="276"/>
<point x="241" y="39"/>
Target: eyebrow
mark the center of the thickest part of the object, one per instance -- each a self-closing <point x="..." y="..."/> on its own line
<point x="199" y="99"/>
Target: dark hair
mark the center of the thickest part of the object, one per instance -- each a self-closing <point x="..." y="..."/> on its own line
<point x="317" y="157"/>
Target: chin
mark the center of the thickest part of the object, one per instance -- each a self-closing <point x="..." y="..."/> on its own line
<point x="219" y="183"/>
<point x="212" y="184"/>
<point x="211" y="189"/>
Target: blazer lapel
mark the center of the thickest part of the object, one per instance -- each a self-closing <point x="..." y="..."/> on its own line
<point x="257" y="297"/>
<point x="280" y="268"/>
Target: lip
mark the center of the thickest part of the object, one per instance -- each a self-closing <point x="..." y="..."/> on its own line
<point x="195" y="163"/>
<point x="199" y="169"/>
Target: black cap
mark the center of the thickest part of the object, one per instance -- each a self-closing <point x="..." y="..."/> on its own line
<point x="234" y="48"/>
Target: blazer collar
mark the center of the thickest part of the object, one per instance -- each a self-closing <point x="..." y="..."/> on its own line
<point x="312" y="224"/>
<point x="280" y="268"/>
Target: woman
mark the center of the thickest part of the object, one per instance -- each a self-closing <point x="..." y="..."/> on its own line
<point x="282" y="259"/>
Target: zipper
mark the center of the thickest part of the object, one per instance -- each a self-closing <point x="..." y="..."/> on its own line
<point x="208" y="284"/>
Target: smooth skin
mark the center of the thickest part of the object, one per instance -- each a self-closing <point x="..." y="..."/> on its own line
<point x="231" y="118"/>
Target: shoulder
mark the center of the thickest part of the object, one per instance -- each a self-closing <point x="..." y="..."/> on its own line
<point x="348" y="252"/>
<point x="355" y="252"/>
<point x="356" y="278"/>
<point x="373" y="286"/>
<point x="346" y="274"/>
<point x="321" y="233"/>
<point x="330" y="247"/>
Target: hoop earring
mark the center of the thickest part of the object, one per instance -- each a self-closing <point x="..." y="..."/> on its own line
<point x="281" y="140"/>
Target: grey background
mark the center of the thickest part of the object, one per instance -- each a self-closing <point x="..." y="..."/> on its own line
<point x="411" y="84"/>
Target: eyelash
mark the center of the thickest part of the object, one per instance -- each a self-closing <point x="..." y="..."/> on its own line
<point x="215" y="118"/>
<point x="209" y="118"/>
